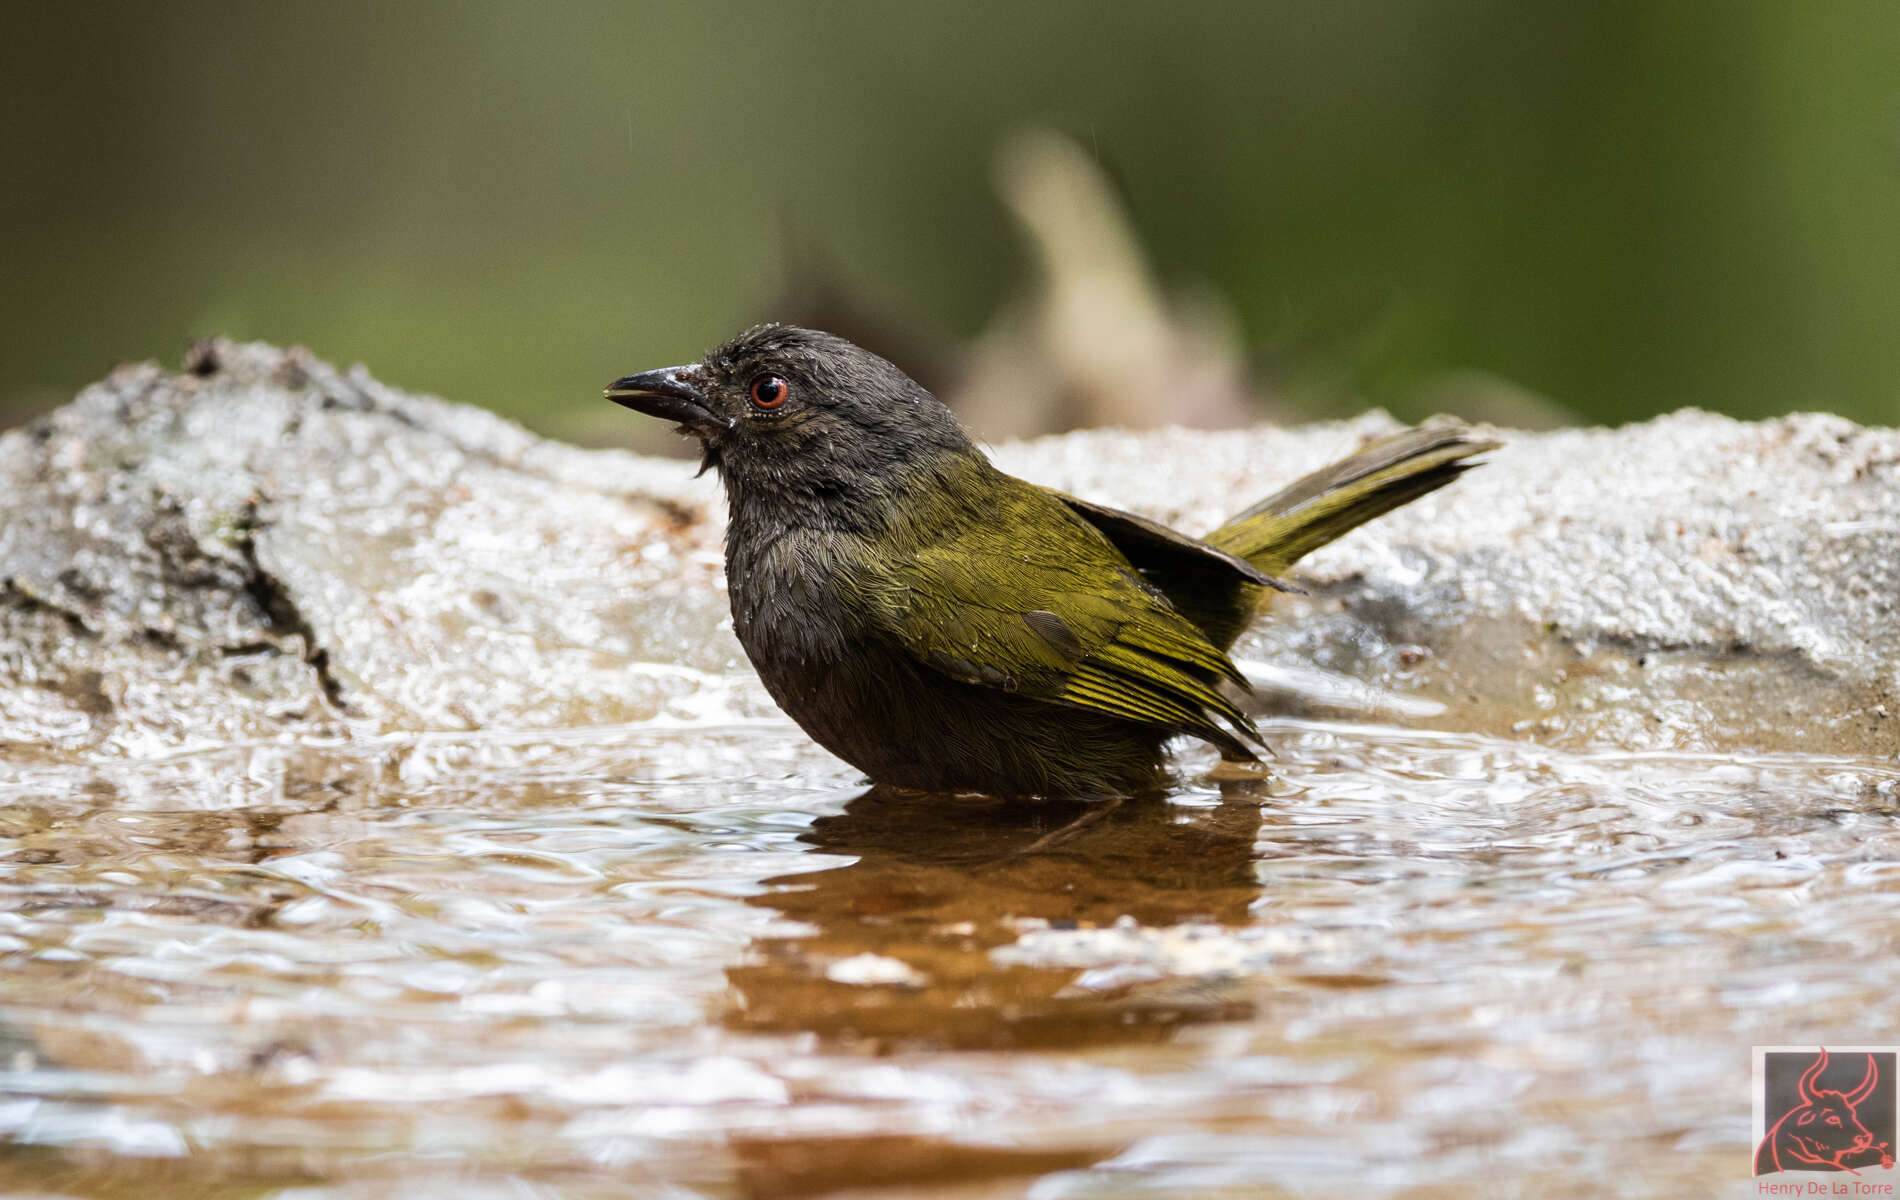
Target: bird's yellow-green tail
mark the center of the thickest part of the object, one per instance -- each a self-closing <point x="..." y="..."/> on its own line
<point x="1286" y="526"/>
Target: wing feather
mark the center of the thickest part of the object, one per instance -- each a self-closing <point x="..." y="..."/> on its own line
<point x="1066" y="619"/>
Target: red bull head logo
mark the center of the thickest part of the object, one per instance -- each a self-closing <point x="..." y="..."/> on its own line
<point x="1823" y="1130"/>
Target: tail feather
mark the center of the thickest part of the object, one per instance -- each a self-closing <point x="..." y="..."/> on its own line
<point x="1317" y="508"/>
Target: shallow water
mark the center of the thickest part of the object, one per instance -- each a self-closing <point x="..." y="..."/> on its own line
<point x="697" y="960"/>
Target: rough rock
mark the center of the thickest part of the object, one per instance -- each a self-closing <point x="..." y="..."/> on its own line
<point x="265" y="547"/>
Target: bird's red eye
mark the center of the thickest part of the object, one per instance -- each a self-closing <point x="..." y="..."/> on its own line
<point x="769" y="392"/>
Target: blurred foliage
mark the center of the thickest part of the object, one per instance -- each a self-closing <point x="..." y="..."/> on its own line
<point x="1621" y="207"/>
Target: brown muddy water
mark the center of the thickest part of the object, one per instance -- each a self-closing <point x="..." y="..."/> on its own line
<point x="695" y="959"/>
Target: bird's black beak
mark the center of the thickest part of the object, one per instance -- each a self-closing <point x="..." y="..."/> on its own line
<point x="672" y="394"/>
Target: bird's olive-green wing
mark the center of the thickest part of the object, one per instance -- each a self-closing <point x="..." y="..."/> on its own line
<point x="1035" y="601"/>
<point x="1215" y="590"/>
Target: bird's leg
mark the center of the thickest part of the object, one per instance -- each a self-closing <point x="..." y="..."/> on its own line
<point x="1094" y="813"/>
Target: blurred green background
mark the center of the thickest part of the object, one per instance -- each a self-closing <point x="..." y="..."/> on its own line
<point x="1596" y="212"/>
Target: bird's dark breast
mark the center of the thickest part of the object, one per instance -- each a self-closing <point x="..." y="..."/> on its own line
<point x="906" y="725"/>
<point x="898" y="721"/>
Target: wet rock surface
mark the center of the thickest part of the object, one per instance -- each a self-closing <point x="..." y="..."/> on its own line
<point x="264" y="545"/>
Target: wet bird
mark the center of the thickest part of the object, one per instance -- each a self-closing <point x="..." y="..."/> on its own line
<point x="946" y="627"/>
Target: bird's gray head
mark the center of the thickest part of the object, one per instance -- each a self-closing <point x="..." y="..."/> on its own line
<point x="795" y="412"/>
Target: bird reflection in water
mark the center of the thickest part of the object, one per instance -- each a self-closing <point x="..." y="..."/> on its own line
<point x="939" y="883"/>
